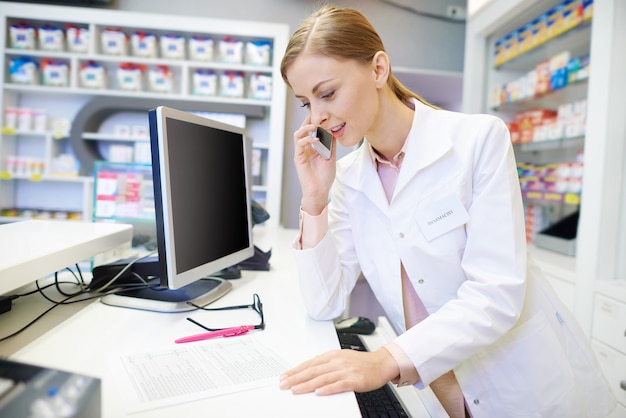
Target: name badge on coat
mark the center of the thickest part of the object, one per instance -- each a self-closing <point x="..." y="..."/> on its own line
<point x="442" y="216"/>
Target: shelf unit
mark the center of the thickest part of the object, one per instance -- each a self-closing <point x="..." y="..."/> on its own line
<point x="598" y="264"/>
<point x="85" y="112"/>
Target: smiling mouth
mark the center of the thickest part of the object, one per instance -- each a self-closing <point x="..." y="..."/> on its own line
<point x="338" y="128"/>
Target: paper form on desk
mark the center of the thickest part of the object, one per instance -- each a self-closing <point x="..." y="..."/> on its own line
<point x="183" y="373"/>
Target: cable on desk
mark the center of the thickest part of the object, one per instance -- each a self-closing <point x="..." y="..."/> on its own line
<point x="79" y="279"/>
<point x="126" y="267"/>
<point x="68" y="297"/>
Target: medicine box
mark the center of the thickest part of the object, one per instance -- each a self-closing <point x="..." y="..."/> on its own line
<point x="77" y="38"/>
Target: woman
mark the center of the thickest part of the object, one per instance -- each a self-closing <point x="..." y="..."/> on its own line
<point x="428" y="209"/>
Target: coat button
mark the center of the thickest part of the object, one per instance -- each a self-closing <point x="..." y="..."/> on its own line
<point x="401" y="234"/>
<point x="476" y="401"/>
<point x="420" y="281"/>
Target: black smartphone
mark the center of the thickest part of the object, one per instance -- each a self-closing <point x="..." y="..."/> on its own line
<point x="324" y="146"/>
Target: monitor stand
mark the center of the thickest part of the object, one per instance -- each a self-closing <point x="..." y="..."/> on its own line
<point x="161" y="299"/>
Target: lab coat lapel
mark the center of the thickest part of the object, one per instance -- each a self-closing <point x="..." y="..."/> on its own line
<point x="361" y="175"/>
<point x="429" y="139"/>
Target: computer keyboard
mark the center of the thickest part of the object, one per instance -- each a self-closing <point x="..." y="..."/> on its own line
<point x="379" y="403"/>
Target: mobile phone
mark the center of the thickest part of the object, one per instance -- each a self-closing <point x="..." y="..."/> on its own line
<point x="325" y="143"/>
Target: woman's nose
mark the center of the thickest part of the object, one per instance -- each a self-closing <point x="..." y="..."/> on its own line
<point x="318" y="117"/>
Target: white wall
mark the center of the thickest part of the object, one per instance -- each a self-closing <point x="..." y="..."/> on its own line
<point x="411" y="41"/>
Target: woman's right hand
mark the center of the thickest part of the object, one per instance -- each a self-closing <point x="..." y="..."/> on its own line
<point x="315" y="173"/>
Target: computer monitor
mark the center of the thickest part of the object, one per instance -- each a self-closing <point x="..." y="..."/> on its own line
<point x="202" y="206"/>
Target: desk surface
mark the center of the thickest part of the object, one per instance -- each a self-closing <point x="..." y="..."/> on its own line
<point x="87" y="340"/>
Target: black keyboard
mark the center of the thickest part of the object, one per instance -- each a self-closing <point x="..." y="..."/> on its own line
<point x="379" y="403"/>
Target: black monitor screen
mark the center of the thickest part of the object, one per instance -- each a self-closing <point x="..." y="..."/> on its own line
<point x="202" y="196"/>
<point x="208" y="197"/>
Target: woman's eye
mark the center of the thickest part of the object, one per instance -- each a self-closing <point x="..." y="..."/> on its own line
<point x="305" y="105"/>
<point x="328" y="95"/>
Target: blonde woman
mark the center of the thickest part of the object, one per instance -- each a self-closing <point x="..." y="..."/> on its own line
<point x="428" y="209"/>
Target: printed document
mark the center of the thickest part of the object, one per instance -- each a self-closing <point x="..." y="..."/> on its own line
<point x="188" y="372"/>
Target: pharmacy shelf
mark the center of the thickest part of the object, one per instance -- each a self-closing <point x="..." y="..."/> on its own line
<point x="601" y="207"/>
<point x="87" y="108"/>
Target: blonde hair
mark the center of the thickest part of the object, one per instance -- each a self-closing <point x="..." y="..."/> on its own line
<point x="341" y="33"/>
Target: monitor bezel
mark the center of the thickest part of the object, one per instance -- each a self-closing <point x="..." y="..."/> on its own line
<point x="166" y="235"/>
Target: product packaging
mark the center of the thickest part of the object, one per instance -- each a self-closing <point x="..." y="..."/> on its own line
<point x="10" y="118"/>
<point x="230" y="50"/>
<point x="554" y="21"/>
<point x="584" y="68"/>
<point x="572" y="13"/>
<point x="260" y="86"/>
<point x="587" y="10"/>
<point x="555" y="129"/>
<point x="139" y="131"/>
<point x="201" y="48"/>
<point x="539" y="29"/>
<point x="24" y="70"/>
<point x="542" y="85"/>
<point x="22" y="36"/>
<point x="77" y="38"/>
<point x="40" y="120"/>
<point x="558" y="70"/>
<point x="258" y="52"/>
<point x="535" y="221"/>
<point x="160" y="79"/>
<point x="114" y="42"/>
<point x="143" y="44"/>
<point x="172" y="46"/>
<point x="525" y="39"/>
<point x="256" y="171"/>
<point x="498" y="54"/>
<point x="510" y="46"/>
<point x="60" y="127"/>
<point x="64" y="165"/>
<point x="50" y="38"/>
<point x="514" y="132"/>
<point x="204" y="82"/>
<point x="530" y="120"/>
<point x="130" y="76"/>
<point x="92" y="75"/>
<point x="24" y="119"/>
<point x="231" y="84"/>
<point x="121" y="130"/>
<point x="54" y="73"/>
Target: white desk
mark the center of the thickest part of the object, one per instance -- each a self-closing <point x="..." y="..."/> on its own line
<point x="83" y="343"/>
<point x="33" y="249"/>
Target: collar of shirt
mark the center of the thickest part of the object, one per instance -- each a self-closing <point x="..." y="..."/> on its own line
<point x="395" y="163"/>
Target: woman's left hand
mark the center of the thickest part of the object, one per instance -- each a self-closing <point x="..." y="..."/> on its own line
<point x="341" y="371"/>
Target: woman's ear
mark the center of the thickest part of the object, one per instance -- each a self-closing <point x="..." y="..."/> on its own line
<point x="380" y="68"/>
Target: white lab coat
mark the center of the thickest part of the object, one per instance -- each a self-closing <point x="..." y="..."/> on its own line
<point x="514" y="348"/>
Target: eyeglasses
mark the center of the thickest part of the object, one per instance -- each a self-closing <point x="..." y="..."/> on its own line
<point x="256" y="305"/>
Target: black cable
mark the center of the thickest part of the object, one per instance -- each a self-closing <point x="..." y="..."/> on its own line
<point x="79" y="279"/>
<point x="421" y="13"/>
<point x="29" y="324"/>
<point x="57" y="284"/>
<point x="68" y="300"/>
<point x="80" y="275"/>
<point x="126" y="267"/>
